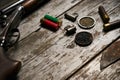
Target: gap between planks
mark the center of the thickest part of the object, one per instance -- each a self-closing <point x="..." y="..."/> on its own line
<point x="93" y="58"/>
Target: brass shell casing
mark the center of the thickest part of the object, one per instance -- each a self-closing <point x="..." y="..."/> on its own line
<point x="111" y="25"/>
<point x="103" y="14"/>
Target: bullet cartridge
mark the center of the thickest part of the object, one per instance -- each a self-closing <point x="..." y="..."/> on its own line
<point x="103" y="14"/>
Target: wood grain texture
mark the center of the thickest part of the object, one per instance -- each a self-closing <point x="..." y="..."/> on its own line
<point x="92" y="71"/>
<point x="54" y="8"/>
<point x="50" y="55"/>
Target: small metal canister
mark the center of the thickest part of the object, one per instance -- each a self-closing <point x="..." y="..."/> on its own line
<point x="70" y="29"/>
<point x="72" y="17"/>
<point x="86" y="22"/>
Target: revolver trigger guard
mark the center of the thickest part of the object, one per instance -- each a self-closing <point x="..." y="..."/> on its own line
<point x="13" y="41"/>
<point x="18" y="35"/>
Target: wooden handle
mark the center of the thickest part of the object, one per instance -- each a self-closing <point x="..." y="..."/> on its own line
<point x="8" y="67"/>
<point x="29" y="5"/>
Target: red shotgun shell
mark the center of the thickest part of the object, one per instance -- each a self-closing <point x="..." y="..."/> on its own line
<point x="50" y="24"/>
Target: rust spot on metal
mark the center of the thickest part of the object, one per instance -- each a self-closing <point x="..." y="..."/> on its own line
<point x="110" y="55"/>
<point x="115" y="50"/>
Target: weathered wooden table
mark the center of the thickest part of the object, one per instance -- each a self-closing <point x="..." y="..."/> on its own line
<point x="48" y="55"/>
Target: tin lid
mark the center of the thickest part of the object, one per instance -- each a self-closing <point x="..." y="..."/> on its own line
<point x="86" y="22"/>
<point x="83" y="38"/>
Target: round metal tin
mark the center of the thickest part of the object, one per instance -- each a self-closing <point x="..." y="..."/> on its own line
<point x="83" y="38"/>
<point x="86" y="22"/>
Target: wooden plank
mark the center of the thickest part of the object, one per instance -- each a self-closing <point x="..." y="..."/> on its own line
<point x="92" y="71"/>
<point x="32" y="22"/>
<point x="49" y="53"/>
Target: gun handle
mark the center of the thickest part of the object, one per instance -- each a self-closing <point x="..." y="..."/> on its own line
<point x="8" y="67"/>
